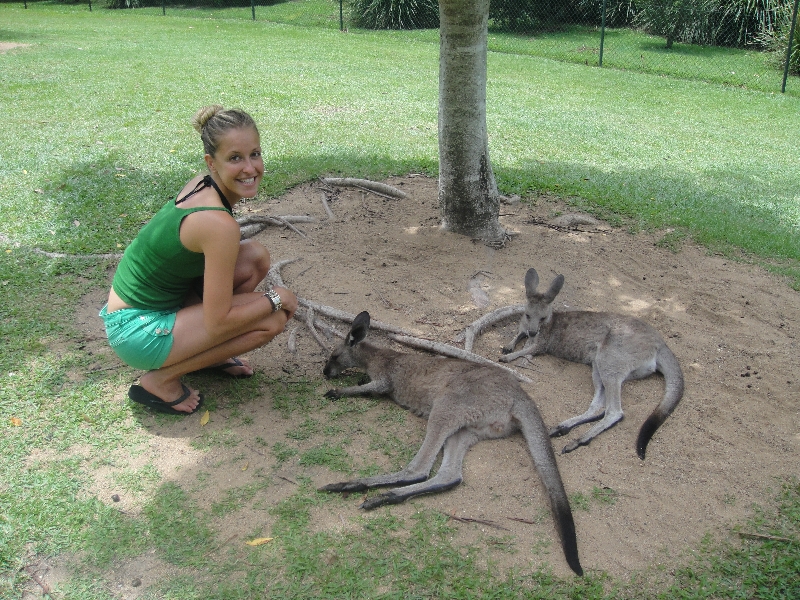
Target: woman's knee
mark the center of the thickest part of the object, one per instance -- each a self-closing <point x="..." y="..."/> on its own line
<point x="252" y="265"/>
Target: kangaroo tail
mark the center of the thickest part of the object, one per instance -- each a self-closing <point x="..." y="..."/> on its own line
<point x="668" y="365"/>
<point x="538" y="439"/>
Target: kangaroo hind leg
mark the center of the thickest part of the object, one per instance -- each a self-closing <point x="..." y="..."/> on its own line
<point x="417" y="470"/>
<point x="448" y="476"/>
<point x="612" y="386"/>
<point x="596" y="409"/>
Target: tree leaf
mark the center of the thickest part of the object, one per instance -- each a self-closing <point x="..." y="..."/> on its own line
<point x="16" y="421"/>
<point x="258" y="541"/>
<point x="205" y="419"/>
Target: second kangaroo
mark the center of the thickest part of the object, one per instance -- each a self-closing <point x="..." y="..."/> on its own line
<point x="464" y="404"/>
<point x="618" y="347"/>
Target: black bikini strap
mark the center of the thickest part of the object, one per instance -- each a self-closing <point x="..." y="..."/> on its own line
<point x="205" y="182"/>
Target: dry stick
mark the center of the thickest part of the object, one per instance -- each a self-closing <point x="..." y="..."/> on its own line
<point x="41" y="583"/>
<point x="292" y="227"/>
<point x="327" y="208"/>
<point x="454" y="352"/>
<point x="520" y="520"/>
<point x="763" y="536"/>
<point x="497" y="315"/>
<point x="481" y="521"/>
<point x="365" y="184"/>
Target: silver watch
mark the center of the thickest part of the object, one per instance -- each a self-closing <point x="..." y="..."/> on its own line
<point x="274" y="299"/>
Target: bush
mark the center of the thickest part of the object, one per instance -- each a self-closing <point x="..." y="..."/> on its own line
<point x="777" y="41"/>
<point x="619" y="13"/>
<point x="531" y="15"/>
<point x="743" y="22"/>
<point x="395" y="14"/>
<point x="687" y="21"/>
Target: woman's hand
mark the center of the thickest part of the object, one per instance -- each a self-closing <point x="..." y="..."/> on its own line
<point x="288" y="299"/>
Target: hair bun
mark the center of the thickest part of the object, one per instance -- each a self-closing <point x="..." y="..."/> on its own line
<point x="204" y="115"/>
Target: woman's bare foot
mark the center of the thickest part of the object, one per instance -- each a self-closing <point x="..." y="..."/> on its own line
<point x="170" y="390"/>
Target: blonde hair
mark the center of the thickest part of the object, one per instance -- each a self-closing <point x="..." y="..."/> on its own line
<point x="214" y="121"/>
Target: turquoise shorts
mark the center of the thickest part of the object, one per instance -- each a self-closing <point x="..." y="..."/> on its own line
<point x="141" y="338"/>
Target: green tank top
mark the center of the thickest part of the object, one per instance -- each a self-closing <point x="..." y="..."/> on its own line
<point x="157" y="270"/>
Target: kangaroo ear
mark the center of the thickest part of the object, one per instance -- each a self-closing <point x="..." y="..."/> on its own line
<point x="531" y="282"/>
<point x="359" y="329"/>
<point x="555" y="287"/>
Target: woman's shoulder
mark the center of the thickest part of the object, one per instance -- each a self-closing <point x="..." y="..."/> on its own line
<point x="193" y="194"/>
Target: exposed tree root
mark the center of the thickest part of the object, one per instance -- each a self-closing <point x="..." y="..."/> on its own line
<point x="252" y="225"/>
<point x="381" y="189"/>
<point x="453" y="352"/>
<point x="487" y="320"/>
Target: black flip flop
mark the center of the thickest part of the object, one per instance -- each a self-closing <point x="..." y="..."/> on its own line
<point x="220" y="369"/>
<point x="141" y="396"/>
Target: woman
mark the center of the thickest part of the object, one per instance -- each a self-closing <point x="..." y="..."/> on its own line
<point x="183" y="297"/>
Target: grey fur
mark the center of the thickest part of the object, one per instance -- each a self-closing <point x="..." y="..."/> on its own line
<point x="464" y="404"/>
<point x="617" y="347"/>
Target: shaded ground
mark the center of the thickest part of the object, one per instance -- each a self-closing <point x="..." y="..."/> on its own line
<point x="731" y="325"/>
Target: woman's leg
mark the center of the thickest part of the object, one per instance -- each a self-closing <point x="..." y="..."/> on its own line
<point x="193" y="349"/>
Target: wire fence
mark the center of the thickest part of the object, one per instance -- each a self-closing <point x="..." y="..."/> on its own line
<point x="752" y="44"/>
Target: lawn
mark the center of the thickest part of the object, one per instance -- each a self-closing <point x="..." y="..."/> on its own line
<point x="95" y="137"/>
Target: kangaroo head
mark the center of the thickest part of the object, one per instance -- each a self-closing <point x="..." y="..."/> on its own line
<point x="342" y="357"/>
<point x="539" y="309"/>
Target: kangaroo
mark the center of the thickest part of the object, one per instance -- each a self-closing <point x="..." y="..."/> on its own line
<point x="464" y="404"/>
<point x="618" y="347"/>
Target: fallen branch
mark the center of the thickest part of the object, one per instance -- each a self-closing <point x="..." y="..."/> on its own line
<point x="453" y="352"/>
<point x="381" y="189"/>
<point x="487" y="320"/>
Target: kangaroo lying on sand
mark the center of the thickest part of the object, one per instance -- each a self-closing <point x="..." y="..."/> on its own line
<point x="464" y="404"/>
<point x="618" y="348"/>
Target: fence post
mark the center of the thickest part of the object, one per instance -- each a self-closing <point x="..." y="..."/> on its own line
<point x="789" y="46"/>
<point x="602" y="32"/>
<point x="90" y="6"/>
<point x="341" y="16"/>
<point x="163" y="8"/>
<point x="253" y="8"/>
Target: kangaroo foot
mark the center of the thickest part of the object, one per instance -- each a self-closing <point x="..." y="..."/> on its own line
<point x="344" y="486"/>
<point x="381" y="499"/>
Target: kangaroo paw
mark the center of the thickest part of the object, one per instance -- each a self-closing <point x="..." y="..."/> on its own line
<point x="380" y="500"/>
<point x="333" y="394"/>
<point x="344" y="486"/>
<point x="558" y="431"/>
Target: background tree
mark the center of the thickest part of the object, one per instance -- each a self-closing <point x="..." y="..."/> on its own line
<point x="468" y="196"/>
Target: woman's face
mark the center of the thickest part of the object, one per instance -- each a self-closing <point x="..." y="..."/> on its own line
<point x="238" y="163"/>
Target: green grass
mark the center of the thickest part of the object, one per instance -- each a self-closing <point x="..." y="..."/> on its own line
<point x="96" y="135"/>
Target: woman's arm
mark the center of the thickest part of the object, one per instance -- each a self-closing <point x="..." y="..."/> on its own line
<point x="217" y="235"/>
